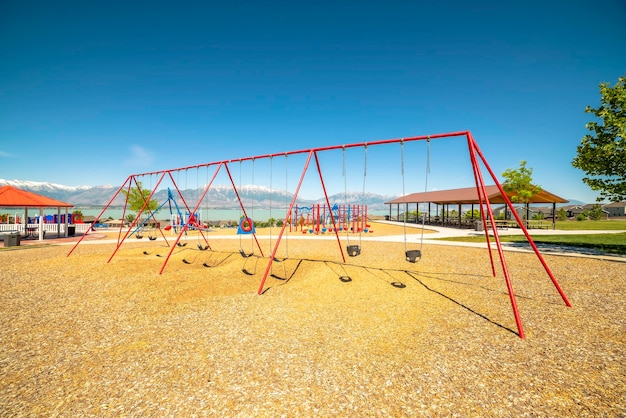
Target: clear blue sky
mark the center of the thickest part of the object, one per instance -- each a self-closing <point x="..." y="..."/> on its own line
<point x="91" y="92"/>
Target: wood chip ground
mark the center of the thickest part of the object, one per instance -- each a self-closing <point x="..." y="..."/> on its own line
<point x="83" y="337"/>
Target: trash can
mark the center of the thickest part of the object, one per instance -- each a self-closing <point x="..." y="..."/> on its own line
<point x="71" y="230"/>
<point x="12" y="240"/>
<point x="479" y="226"/>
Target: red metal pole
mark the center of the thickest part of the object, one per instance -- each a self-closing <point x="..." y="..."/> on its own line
<point x="101" y="213"/>
<point x="243" y="209"/>
<point x="153" y="214"/>
<point x="206" y="190"/>
<point x="182" y="230"/>
<point x="481" y="198"/>
<point x="319" y="170"/>
<point x="144" y="206"/>
<point x="119" y="234"/>
<point x="523" y="227"/>
<point x="507" y="277"/>
<point x="282" y="229"/>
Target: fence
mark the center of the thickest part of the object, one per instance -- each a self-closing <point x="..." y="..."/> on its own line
<point x="49" y="228"/>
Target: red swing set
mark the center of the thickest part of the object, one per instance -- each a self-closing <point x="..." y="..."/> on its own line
<point x="476" y="157"/>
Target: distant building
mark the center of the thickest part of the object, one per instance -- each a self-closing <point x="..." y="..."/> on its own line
<point x="616" y="209"/>
<point x="574" y="211"/>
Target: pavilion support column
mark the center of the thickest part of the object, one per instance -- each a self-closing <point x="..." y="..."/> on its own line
<point x="553" y="215"/>
<point x="65" y="233"/>
<point x="460" y="215"/>
<point x="40" y="224"/>
<point x="59" y="222"/>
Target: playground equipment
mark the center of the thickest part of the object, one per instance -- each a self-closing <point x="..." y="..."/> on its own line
<point x="321" y="219"/>
<point x="140" y="227"/>
<point x="476" y="158"/>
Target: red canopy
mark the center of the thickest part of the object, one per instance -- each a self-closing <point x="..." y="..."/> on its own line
<point x="13" y="197"/>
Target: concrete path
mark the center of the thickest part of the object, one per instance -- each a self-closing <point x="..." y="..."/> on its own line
<point x="443" y="232"/>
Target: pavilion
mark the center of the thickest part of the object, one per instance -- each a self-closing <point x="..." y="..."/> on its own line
<point x="12" y="197"/>
<point x="460" y="197"/>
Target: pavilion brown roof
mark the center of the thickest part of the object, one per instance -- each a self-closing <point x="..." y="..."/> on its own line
<point x="13" y="197"/>
<point x="469" y="195"/>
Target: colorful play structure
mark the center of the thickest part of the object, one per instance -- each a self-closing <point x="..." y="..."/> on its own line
<point x="178" y="219"/>
<point x="325" y="218"/>
<point x="318" y="219"/>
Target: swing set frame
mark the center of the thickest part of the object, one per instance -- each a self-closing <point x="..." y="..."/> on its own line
<point x="476" y="158"/>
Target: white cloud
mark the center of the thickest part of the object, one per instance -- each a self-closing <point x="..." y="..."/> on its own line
<point x="139" y="157"/>
<point x="4" y="154"/>
<point x="141" y="153"/>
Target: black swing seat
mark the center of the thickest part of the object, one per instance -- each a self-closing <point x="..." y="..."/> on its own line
<point x="181" y="244"/>
<point x="353" y="250"/>
<point x="203" y="248"/>
<point x="413" y="255"/>
<point x="244" y="255"/>
<point x="151" y="238"/>
<point x="139" y="235"/>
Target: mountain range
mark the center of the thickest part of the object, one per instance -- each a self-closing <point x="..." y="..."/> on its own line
<point x="219" y="196"/>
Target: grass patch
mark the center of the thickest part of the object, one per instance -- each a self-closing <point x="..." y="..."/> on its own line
<point x="610" y="243"/>
<point x="605" y="225"/>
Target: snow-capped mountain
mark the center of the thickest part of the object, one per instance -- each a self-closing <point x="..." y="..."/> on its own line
<point x="77" y="195"/>
<point x="219" y="196"/>
<point x="372" y="200"/>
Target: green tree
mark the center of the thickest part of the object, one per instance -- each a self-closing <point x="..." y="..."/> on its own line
<point x="519" y="183"/>
<point x="137" y="197"/>
<point x="602" y="153"/>
<point x="595" y="214"/>
<point x="561" y="215"/>
<point x="472" y="214"/>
